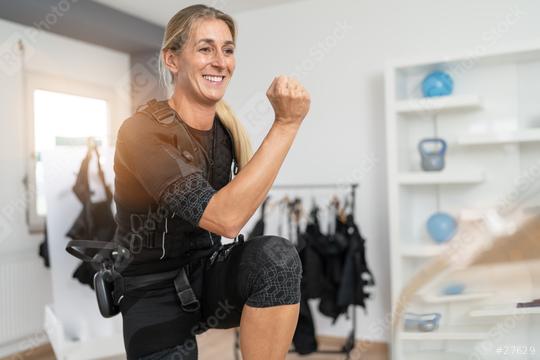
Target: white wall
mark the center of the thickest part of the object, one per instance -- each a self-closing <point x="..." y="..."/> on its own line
<point x="60" y="57"/>
<point x="338" y="50"/>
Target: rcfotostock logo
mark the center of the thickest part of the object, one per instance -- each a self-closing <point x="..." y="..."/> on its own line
<point x="11" y="51"/>
<point x="19" y="46"/>
<point x="137" y="83"/>
<point x="254" y="111"/>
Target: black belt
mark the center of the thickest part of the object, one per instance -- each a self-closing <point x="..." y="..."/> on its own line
<point x="109" y="256"/>
<point x="185" y="293"/>
<point x="106" y="254"/>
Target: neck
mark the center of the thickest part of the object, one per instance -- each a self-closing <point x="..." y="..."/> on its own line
<point x="196" y="115"/>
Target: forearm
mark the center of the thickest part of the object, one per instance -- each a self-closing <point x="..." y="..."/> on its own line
<point x="232" y="206"/>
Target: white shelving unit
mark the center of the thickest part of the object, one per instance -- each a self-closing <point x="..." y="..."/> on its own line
<point x="439" y="104"/>
<point x="439" y="299"/>
<point x="484" y="161"/>
<point x="430" y="355"/>
<point x="508" y="310"/>
<point x="454" y="334"/>
<point x="501" y="138"/>
<point x="422" y="251"/>
<point x="440" y="178"/>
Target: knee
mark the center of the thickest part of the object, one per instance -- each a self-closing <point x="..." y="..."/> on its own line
<point x="278" y="272"/>
<point x="279" y="254"/>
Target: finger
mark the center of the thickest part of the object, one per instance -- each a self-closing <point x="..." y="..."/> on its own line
<point x="282" y="87"/>
<point x="304" y="93"/>
<point x="302" y="89"/>
<point x="294" y="83"/>
<point x="296" y="89"/>
<point x="282" y="83"/>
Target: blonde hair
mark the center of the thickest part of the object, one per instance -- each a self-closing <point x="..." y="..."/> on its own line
<point x="176" y="34"/>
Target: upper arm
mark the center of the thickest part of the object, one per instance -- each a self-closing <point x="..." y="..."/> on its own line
<point x="188" y="197"/>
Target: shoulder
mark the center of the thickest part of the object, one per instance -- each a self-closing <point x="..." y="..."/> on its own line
<point x="135" y="121"/>
<point x="152" y="117"/>
<point x="134" y="127"/>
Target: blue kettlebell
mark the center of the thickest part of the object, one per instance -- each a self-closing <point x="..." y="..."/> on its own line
<point x="441" y="227"/>
<point x="432" y="153"/>
<point x="437" y="83"/>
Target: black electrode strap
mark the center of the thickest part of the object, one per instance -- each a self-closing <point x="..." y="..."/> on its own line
<point x="185" y="292"/>
<point x="183" y="288"/>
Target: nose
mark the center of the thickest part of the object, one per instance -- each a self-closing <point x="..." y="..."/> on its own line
<point x="219" y="60"/>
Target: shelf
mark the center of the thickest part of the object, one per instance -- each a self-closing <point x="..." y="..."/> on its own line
<point x="439" y="355"/>
<point x="504" y="310"/>
<point x="444" y="335"/>
<point x="515" y="137"/>
<point x="438" y="299"/>
<point x="441" y="177"/>
<point x="437" y="104"/>
<point x="493" y="135"/>
<point x="422" y="251"/>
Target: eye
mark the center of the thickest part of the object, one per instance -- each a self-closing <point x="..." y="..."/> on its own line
<point x="229" y="51"/>
<point x="205" y="49"/>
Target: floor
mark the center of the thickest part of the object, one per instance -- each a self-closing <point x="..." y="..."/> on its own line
<point x="219" y="344"/>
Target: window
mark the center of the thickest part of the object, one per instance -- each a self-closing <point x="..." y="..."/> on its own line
<point x="63" y="114"/>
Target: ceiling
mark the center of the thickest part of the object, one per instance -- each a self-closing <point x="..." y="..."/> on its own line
<point x="160" y="11"/>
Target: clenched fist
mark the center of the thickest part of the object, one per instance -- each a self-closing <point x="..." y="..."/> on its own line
<point x="289" y="99"/>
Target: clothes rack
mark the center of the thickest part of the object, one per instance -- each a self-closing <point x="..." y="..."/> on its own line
<point x="351" y="339"/>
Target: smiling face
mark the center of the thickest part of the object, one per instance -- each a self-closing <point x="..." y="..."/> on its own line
<point x="206" y="63"/>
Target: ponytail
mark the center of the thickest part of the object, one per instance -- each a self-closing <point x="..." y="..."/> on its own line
<point x="241" y="143"/>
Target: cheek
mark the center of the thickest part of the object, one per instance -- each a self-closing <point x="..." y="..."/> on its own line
<point x="198" y="64"/>
<point x="231" y="65"/>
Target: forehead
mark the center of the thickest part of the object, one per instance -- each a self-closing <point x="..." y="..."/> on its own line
<point x="214" y="29"/>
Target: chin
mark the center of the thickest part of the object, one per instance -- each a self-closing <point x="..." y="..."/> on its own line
<point x="214" y="98"/>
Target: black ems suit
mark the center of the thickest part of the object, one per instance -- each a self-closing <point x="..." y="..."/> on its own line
<point x="179" y="280"/>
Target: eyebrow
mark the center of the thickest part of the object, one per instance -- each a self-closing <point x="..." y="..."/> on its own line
<point x="211" y="41"/>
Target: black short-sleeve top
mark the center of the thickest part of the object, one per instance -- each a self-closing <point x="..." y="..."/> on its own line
<point x="149" y="160"/>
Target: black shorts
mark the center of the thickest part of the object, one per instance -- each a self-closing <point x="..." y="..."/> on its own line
<point x="264" y="271"/>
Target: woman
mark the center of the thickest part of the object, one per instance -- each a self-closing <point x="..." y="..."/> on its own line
<point x="175" y="199"/>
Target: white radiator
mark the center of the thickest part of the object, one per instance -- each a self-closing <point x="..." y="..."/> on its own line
<point x="25" y="288"/>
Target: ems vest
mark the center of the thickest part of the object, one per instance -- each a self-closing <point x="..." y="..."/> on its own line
<point x="156" y="234"/>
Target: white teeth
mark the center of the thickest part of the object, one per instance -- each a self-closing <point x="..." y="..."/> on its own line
<point x="213" y="78"/>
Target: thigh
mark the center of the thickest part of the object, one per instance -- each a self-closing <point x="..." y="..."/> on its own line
<point x="264" y="271"/>
<point x="221" y="300"/>
<point x="154" y="322"/>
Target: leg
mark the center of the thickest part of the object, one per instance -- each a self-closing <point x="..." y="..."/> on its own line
<point x="261" y="279"/>
<point x="266" y="333"/>
<point x="155" y="327"/>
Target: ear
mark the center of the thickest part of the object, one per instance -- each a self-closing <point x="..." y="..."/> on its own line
<point x="170" y="58"/>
